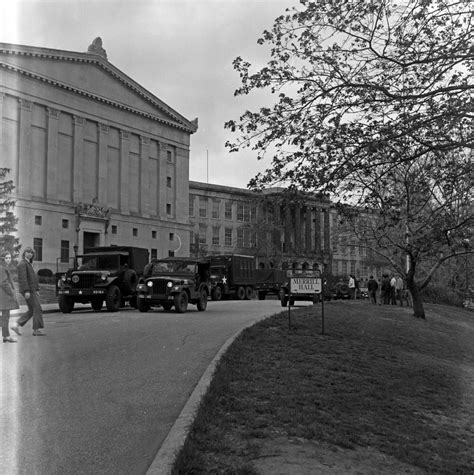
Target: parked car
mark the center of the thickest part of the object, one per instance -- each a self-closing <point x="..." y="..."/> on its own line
<point x="174" y="282"/>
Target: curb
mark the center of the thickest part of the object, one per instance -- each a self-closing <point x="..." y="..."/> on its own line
<point x="174" y="441"/>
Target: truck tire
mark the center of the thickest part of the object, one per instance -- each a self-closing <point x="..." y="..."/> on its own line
<point x="241" y="293"/>
<point x="96" y="304"/>
<point x="202" y="302"/>
<point x="113" y="298"/>
<point x="142" y="305"/>
<point x="129" y="281"/>
<point x="261" y="295"/>
<point x="181" y="302"/>
<point x="248" y="293"/>
<point x="216" y="294"/>
<point x="66" y="304"/>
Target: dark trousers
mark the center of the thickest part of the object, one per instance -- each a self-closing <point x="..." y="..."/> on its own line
<point x="373" y="296"/>
<point x="5" y="323"/>
<point x="34" y="311"/>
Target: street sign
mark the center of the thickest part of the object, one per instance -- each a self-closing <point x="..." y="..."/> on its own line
<point x="305" y="285"/>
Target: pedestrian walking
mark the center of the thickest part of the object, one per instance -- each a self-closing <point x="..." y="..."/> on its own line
<point x="393" y="290"/>
<point x="372" y="287"/>
<point x="29" y="287"/>
<point x="7" y="296"/>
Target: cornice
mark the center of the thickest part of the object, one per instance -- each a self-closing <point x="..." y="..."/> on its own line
<point x="98" y="61"/>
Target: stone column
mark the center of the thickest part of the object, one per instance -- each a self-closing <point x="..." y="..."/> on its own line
<point x="78" y="158"/>
<point x="326" y="231"/>
<point x="52" y="159"/>
<point x="2" y="97"/>
<point x="317" y="231"/>
<point x="308" y="228"/>
<point x="24" y="149"/>
<point x="124" y="203"/>
<point x="103" y="146"/>
<point x="162" y="180"/>
<point x="144" y="176"/>
<point x="288" y="229"/>
<point x="298" y="234"/>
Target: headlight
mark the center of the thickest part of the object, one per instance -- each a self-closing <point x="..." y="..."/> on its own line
<point x="149" y="283"/>
<point x="75" y="279"/>
<point x="169" y="284"/>
<point x="103" y="276"/>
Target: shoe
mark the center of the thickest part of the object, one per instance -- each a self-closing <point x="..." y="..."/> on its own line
<point x="9" y="339"/>
<point x="16" y="328"/>
<point x="38" y="333"/>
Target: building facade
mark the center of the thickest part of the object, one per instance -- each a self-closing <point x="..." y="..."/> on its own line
<point x="96" y="159"/>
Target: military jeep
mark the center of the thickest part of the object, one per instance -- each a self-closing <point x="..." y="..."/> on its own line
<point x="174" y="281"/>
<point x="102" y="273"/>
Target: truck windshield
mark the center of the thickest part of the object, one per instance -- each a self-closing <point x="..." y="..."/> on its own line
<point x="99" y="262"/>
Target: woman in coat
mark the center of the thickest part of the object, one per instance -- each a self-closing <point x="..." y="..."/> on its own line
<point x="7" y="296"/>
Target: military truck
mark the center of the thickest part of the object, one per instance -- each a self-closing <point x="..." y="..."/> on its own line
<point x="232" y="276"/>
<point x="108" y="273"/>
<point x="269" y="282"/>
<point x="174" y="281"/>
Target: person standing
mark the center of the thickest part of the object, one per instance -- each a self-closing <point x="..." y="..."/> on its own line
<point x="29" y="287"/>
<point x="7" y="296"/>
<point x="393" y="290"/>
<point x="385" y="289"/>
<point x="372" y="287"/>
<point x="399" y="285"/>
<point x="352" y="287"/>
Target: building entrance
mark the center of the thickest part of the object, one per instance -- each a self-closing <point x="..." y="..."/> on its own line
<point x="91" y="239"/>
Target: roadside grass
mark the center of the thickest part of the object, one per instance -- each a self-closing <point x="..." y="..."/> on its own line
<point x="378" y="378"/>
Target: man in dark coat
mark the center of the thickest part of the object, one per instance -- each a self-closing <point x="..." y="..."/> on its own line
<point x="372" y="287"/>
<point x="28" y="285"/>
<point x="7" y="296"/>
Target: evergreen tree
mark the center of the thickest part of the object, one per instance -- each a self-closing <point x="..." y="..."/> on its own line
<point x="8" y="219"/>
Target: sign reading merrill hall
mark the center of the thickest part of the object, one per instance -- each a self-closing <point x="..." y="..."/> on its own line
<point x="305" y="284"/>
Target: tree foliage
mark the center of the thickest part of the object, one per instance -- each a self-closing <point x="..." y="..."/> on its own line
<point x="7" y="218"/>
<point x="373" y="106"/>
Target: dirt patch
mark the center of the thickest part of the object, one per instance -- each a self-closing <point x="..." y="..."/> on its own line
<point x="297" y="456"/>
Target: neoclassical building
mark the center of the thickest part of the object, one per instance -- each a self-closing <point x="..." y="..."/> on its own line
<point x="96" y="158"/>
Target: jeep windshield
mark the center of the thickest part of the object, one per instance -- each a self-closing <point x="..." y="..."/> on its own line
<point x="102" y="262"/>
<point x="174" y="267"/>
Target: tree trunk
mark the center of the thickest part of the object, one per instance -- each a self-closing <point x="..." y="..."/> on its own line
<point x="418" y="309"/>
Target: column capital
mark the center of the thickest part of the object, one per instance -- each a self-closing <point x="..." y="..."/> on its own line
<point x="25" y="104"/>
<point x="103" y="128"/>
<point x="80" y="121"/>
<point x="53" y="113"/>
<point x="124" y="135"/>
<point x="144" y="140"/>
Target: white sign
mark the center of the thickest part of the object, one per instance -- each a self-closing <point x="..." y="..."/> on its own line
<point x="305" y="285"/>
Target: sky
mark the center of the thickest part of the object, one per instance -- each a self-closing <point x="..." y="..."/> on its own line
<point x="179" y="50"/>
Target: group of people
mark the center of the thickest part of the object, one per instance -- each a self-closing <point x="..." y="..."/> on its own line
<point x="28" y="287"/>
<point x="390" y="290"/>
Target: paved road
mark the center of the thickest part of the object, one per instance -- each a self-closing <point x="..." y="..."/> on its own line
<point x="101" y="391"/>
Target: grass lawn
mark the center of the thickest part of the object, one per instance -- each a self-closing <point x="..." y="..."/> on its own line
<point x="379" y="392"/>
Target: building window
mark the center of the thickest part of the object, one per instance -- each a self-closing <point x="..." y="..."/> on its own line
<point x="114" y="229"/>
<point x="253" y="214"/>
<point x="240" y="237"/>
<point x="168" y="181"/>
<point x="228" y="236"/>
<point x="169" y="156"/>
<point x="202" y="234"/>
<point x="64" y="251"/>
<point x="38" y="248"/>
<point x="168" y="208"/>
<point x="170" y="253"/>
<point x="171" y="236"/>
<point x="228" y="210"/>
<point x="215" y="209"/>
<point x="135" y="232"/>
<point x="153" y="234"/>
<point x="38" y="220"/>
<point x="65" y="223"/>
<point x="253" y="239"/>
<point x="243" y="212"/>
<point x="215" y="235"/>
<point x="153" y="254"/>
<point x="203" y="207"/>
<point x="191" y="205"/>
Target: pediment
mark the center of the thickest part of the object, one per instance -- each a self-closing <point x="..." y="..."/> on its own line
<point x="90" y="75"/>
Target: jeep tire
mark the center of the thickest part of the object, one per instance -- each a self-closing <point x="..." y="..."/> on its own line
<point x="66" y="303"/>
<point x="202" y="302"/>
<point x="181" y="302"/>
<point x="216" y="293"/>
<point x="113" y="298"/>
